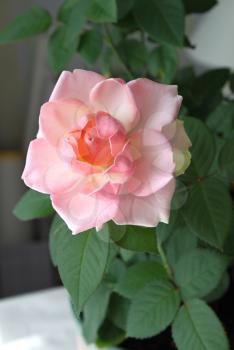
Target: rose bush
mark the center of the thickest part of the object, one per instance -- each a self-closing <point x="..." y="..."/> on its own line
<point x="108" y="150"/>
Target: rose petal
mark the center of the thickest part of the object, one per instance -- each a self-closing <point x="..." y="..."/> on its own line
<point x="146" y="211"/>
<point x="106" y="125"/>
<point x="146" y="180"/>
<point x="176" y="134"/>
<point x="123" y="167"/>
<point x="45" y="172"/>
<point x="158" y="104"/>
<point x="117" y="143"/>
<point x="82" y="212"/>
<point x="93" y="183"/>
<point x="116" y="99"/>
<point x="155" y="146"/>
<point x="57" y="118"/>
<point x="180" y="142"/>
<point x="155" y="167"/>
<point x="76" y="85"/>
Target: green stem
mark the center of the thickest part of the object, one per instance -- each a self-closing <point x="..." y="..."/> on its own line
<point x="164" y="259"/>
<point x="114" y="49"/>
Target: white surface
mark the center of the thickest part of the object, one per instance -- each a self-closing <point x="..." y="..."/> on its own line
<point x="39" y="321"/>
<point x="213" y="36"/>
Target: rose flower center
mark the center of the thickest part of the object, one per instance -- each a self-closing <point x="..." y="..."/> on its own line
<point x="93" y="149"/>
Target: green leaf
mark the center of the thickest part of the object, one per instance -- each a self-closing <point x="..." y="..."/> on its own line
<point x="162" y="19"/>
<point x="199" y="272"/>
<point x="181" y="242"/>
<point x="164" y="231"/>
<point x="57" y="228"/>
<point x="221" y="120"/>
<point x="65" y="10"/>
<point x="126" y="255"/>
<point x="198" y="6"/>
<point x="163" y="63"/>
<point x="215" y="169"/>
<point x="90" y="45"/>
<point x="124" y="7"/>
<point x="202" y="150"/>
<point x="152" y="310"/>
<point x="181" y="190"/>
<point x="188" y="44"/>
<point x="185" y="76"/>
<point x="116" y="271"/>
<point x="208" y="211"/>
<point x="220" y="290"/>
<point x="109" y="335"/>
<point x="205" y="93"/>
<point x="229" y="242"/>
<point x="197" y="327"/>
<point x="134" y="53"/>
<point x="213" y="79"/>
<point x="118" y="311"/>
<point x="139" y="239"/>
<point x="226" y="159"/>
<point x="33" y="205"/>
<point x="100" y="11"/>
<point x="138" y="275"/>
<point x="34" y="21"/>
<point x="64" y="41"/>
<point x="81" y="260"/>
<point x="232" y="82"/>
<point x="127" y="25"/>
<point x="95" y="311"/>
<point x="60" y="51"/>
<point x="113" y="251"/>
<point x="103" y="11"/>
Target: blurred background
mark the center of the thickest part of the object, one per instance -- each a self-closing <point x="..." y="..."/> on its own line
<point x="26" y="82"/>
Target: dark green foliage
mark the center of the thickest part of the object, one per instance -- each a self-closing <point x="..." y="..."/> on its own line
<point x="34" y="21"/>
<point x="163" y="63"/>
<point x="199" y="6"/>
<point x="197" y="327"/>
<point x="33" y="205"/>
<point x="162" y="19"/>
<point x="64" y="41"/>
<point x="90" y="46"/>
<point x="202" y="94"/>
<point x="139" y="239"/>
<point x="134" y="53"/>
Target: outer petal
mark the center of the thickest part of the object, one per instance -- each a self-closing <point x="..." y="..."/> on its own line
<point x="146" y="180"/>
<point x="155" y="168"/>
<point x="44" y="171"/>
<point x="158" y="104"/>
<point x="176" y="134"/>
<point x="57" y="118"/>
<point x="146" y="211"/>
<point x="180" y="142"/>
<point x="76" y="85"/>
<point x="81" y="212"/>
<point x="115" y="98"/>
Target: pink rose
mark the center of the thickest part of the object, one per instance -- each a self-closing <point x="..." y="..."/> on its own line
<point x="107" y="150"/>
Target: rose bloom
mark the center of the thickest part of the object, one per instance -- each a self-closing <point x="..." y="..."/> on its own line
<point x="108" y="150"/>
